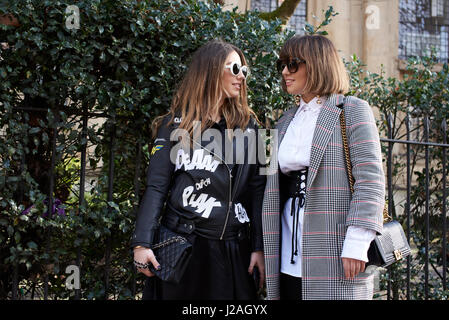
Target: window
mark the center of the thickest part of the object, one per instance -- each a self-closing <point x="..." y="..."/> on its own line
<point x="423" y="24"/>
<point x="296" y="22"/>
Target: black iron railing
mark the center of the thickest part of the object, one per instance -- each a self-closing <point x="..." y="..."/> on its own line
<point x="111" y="130"/>
<point x="426" y="144"/>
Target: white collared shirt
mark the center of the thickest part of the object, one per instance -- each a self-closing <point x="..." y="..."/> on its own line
<point x="294" y="154"/>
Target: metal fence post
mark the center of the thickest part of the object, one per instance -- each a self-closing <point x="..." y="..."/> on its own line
<point x="444" y="200"/>
<point x="136" y="194"/>
<point x="110" y="198"/>
<point x="82" y="189"/>
<point x="407" y="205"/>
<point x="427" y="223"/>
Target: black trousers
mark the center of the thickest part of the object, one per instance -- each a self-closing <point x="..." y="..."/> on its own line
<point x="217" y="270"/>
<point x="291" y="287"/>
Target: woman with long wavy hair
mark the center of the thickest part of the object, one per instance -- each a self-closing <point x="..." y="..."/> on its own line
<point x="198" y="190"/>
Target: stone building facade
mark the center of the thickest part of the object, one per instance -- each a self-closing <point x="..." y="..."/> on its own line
<point x="382" y="33"/>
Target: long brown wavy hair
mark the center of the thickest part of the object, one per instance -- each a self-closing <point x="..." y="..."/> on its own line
<point x="200" y="92"/>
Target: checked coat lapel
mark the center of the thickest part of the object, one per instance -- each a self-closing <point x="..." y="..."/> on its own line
<point x="328" y="118"/>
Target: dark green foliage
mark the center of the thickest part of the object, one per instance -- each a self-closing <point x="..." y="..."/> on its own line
<point x="310" y="29"/>
<point x="121" y="66"/>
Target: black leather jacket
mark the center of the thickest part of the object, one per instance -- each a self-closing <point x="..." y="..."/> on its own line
<point x="199" y="193"/>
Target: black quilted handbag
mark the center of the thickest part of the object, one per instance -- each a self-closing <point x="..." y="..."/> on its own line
<point x="173" y="253"/>
<point x="391" y="245"/>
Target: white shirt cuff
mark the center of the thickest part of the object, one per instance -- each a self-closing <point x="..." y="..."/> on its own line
<point x="357" y="242"/>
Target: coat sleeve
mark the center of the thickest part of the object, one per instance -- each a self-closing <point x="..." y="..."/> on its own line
<point x="257" y="187"/>
<point x="368" y="198"/>
<point x="159" y="176"/>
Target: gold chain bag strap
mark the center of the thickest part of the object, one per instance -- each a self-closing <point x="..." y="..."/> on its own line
<point x="391" y="245"/>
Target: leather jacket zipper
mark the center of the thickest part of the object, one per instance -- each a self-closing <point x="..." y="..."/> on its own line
<point x="230" y="201"/>
<point x="230" y="188"/>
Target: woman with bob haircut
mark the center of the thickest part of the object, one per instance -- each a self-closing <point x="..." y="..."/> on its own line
<point x="215" y="204"/>
<point x="316" y="232"/>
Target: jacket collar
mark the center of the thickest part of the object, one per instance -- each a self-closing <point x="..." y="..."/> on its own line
<point x="328" y="118"/>
<point x="327" y="121"/>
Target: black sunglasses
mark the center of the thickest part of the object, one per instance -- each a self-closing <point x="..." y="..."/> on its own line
<point x="292" y="65"/>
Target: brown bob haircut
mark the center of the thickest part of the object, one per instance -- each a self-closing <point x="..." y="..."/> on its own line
<point x="326" y="73"/>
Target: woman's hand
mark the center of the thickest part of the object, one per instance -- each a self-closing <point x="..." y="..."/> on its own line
<point x="352" y="267"/>
<point x="144" y="256"/>
<point x="257" y="260"/>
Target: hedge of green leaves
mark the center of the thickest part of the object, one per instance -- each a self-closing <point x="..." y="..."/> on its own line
<point x="123" y="63"/>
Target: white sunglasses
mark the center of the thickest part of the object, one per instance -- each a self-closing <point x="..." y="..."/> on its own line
<point x="235" y="69"/>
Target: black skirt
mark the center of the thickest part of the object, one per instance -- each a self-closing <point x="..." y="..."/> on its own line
<point x="217" y="270"/>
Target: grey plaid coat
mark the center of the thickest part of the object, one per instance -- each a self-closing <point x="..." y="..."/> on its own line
<point x="330" y="208"/>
